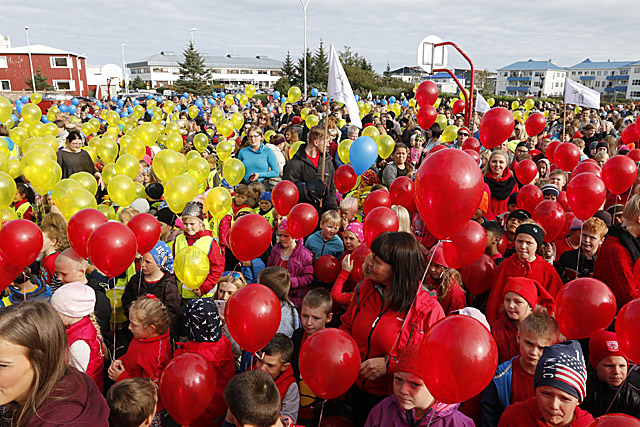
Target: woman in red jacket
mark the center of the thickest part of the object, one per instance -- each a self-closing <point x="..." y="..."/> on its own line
<point x="390" y="310"/>
<point x="500" y="181"/>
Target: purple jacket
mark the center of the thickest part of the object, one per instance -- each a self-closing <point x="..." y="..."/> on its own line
<point x="389" y="414"/>
<point x="300" y="269"/>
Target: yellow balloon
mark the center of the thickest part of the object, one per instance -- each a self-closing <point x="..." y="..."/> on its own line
<point x="4" y="151"/>
<point x="577" y="110"/>
<point x="311" y="120"/>
<point x="61" y="189"/>
<point x="371" y="131"/>
<point x="529" y="104"/>
<point x="412" y="102"/>
<point x="10" y="123"/>
<point x="225" y="127"/>
<point x="200" y="142"/>
<point x="193" y="111"/>
<point x="112" y="118"/>
<point x="491" y="102"/>
<point x="341" y="123"/>
<point x="51" y="116"/>
<point x="156" y="120"/>
<point x="86" y="181"/>
<point x="108" y="172"/>
<point x="437" y="103"/>
<point x="216" y="113"/>
<point x="7" y="215"/>
<point x="31" y="114"/>
<point x="168" y="164"/>
<point x="294" y="94"/>
<point x="171" y="127"/>
<point x="174" y="142"/>
<point x="151" y="103"/>
<point x="37" y="130"/>
<point x="268" y="134"/>
<point x="233" y="171"/>
<point x="546" y="114"/>
<point x="7" y="190"/>
<point x="228" y="99"/>
<point x="193" y="154"/>
<point x="386" y="144"/>
<point x="238" y="120"/>
<point x="137" y="149"/>
<point x="122" y="190"/>
<point x="224" y="150"/>
<point x="140" y="191"/>
<point x="148" y="134"/>
<point x="250" y="90"/>
<point x="343" y="150"/>
<point x="96" y="124"/>
<point x="52" y="144"/>
<point x="128" y="165"/>
<point x="304" y="113"/>
<point x="198" y="168"/>
<point x="36" y="98"/>
<point x="294" y="148"/>
<point x="14" y="168"/>
<point x="169" y="106"/>
<point x="219" y="202"/>
<point x="50" y="129"/>
<point x="53" y="179"/>
<point x="450" y="133"/>
<point x="138" y="111"/>
<point x="6" y="109"/>
<point x="441" y="119"/>
<point x="244" y="99"/>
<point x="367" y="107"/>
<point x="76" y="200"/>
<point x="515" y="105"/>
<point x="37" y="166"/>
<point x="108" y="212"/>
<point x="180" y="190"/>
<point x="517" y="114"/>
<point x="92" y="152"/>
<point x="107" y="149"/>
<point x="18" y="135"/>
<point x="191" y="266"/>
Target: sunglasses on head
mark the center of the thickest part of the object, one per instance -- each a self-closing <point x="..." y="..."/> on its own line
<point x="233" y="274"/>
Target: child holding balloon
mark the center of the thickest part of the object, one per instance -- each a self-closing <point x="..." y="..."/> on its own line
<point x="445" y="281"/>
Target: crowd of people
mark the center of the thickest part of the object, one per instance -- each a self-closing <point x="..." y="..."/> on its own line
<point x="80" y="348"/>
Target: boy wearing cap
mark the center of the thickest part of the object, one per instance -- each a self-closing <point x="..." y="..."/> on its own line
<point x="154" y="192"/>
<point x="265" y="207"/>
<point x="550" y="192"/>
<point x="560" y="385"/>
<point x="167" y="220"/>
<point x="607" y="388"/>
<point x="514" y="219"/>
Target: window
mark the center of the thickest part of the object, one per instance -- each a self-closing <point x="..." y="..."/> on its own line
<point x="60" y="62"/>
<point x="636" y="70"/>
<point x="593" y="73"/>
<point x="579" y="73"/>
<point x="246" y="72"/>
<point x="597" y="83"/>
<point x="635" y="94"/>
<point x="599" y="73"/>
<point x="5" y="85"/>
<point x="3" y="62"/>
<point x="64" y="84"/>
<point x="624" y="72"/>
<point x="505" y="74"/>
<point x="234" y="71"/>
<point x="573" y="73"/>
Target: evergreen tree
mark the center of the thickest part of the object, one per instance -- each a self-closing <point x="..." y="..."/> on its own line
<point x="387" y="72"/>
<point x="194" y="76"/>
<point x="299" y="69"/>
<point x="138" y="83"/>
<point x="288" y="68"/>
<point x="320" y="68"/>
<point x="42" y="82"/>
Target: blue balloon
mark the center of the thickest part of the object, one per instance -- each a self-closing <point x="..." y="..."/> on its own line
<point x="124" y="114"/>
<point x="363" y="153"/>
<point x="222" y="94"/>
<point x="357" y="98"/>
<point x="44" y="119"/>
<point x="248" y="105"/>
<point x="185" y="94"/>
<point x="72" y="109"/>
<point x="90" y="116"/>
<point x="211" y="101"/>
<point x="324" y="99"/>
<point x="384" y="102"/>
<point x="114" y="98"/>
<point x="405" y="103"/>
<point x="19" y="106"/>
<point x="150" y="111"/>
<point x="130" y="110"/>
<point x="276" y="94"/>
<point x="136" y="102"/>
<point x="214" y="94"/>
<point x="392" y="100"/>
<point x="24" y="99"/>
<point x="14" y="118"/>
<point x="63" y="108"/>
<point x="118" y="110"/>
<point x="178" y="107"/>
<point x="99" y="104"/>
<point x="314" y="92"/>
<point x="158" y="99"/>
<point x="282" y="99"/>
<point x="120" y="102"/>
<point x="75" y="101"/>
<point x="149" y="96"/>
<point x="183" y="97"/>
<point x="199" y="102"/>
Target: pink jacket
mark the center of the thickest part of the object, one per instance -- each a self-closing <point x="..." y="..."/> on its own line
<point x="300" y="269"/>
<point x="388" y="413"/>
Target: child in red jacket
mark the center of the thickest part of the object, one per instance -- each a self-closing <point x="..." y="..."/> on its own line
<point x="445" y="281"/>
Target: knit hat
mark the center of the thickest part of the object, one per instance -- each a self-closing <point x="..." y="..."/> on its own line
<point x="602" y="144"/>
<point x="576" y="224"/>
<point x="155" y="190"/>
<point x="520" y="214"/>
<point x="603" y="345"/>
<point x="283" y="225"/>
<point x="266" y="196"/>
<point x="438" y="256"/>
<point x="604" y="216"/>
<point x="513" y="199"/>
<point x="531" y="291"/>
<point x="193" y="209"/>
<point x="141" y="205"/>
<point x="74" y="299"/>
<point x="356" y="228"/>
<point x="550" y="190"/>
<point x="165" y="215"/>
<point x="562" y="366"/>
<point x="409" y="360"/>
<point x="369" y="177"/>
<point x="593" y="146"/>
<point x="296" y="120"/>
<point x="533" y="230"/>
<point x="162" y="256"/>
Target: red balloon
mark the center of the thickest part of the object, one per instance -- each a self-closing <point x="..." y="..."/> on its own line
<point x="636" y="273"/>
<point x="435" y="149"/>
<point x="376" y="199"/>
<point x="502" y="245"/>
<point x="474" y="155"/>
<point x="253" y="316"/>
<point x="449" y="189"/>
<point x="586" y="194"/>
<point x="329" y="363"/>
<point x="630" y="134"/>
<point x="634" y="154"/>
<point x="426" y="116"/>
<point x="345" y="179"/>
<point x="496" y="126"/>
<point x="529" y="197"/>
<point x="567" y="156"/>
<point x="550" y="151"/>
<point x="302" y="220"/>
<point x="187" y="385"/>
<point x="587" y="166"/>
<point x="285" y="196"/>
<point x="479" y="275"/>
<point x="8" y="272"/>
<point x="20" y="242"/>
<point x="535" y="124"/>
<point x="250" y="237"/>
<point x="458" y="106"/>
<point x="615" y="420"/>
<point x="359" y="256"/>
<point x="447" y="362"/>
<point x="380" y="220"/>
<point x="550" y="216"/>
<point x="562" y="199"/>
<point x="568" y="219"/>
<point x="619" y="173"/>
<point x="403" y="193"/>
<point x="584" y="307"/>
<point x="426" y="94"/>
<point x="327" y="268"/>
<point x="80" y="227"/>
<point x="335" y="421"/>
<point x="466" y="246"/>
<point x="147" y="231"/>
<point x="112" y="248"/>
<point x="627" y="330"/>
<point x="471" y="143"/>
<point x="526" y="171"/>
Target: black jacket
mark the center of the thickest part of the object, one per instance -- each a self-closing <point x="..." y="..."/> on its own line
<point x="102" y="308"/>
<point x="600" y="395"/>
<point x="164" y="289"/>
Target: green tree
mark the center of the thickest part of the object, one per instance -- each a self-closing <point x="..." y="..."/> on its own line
<point x="42" y="82"/>
<point x="387" y="72"/>
<point x="288" y="68"/>
<point x="299" y="70"/>
<point x="359" y="71"/>
<point x="138" y="83"/>
<point x="194" y="76"/>
<point x="282" y="85"/>
<point x="319" y="68"/>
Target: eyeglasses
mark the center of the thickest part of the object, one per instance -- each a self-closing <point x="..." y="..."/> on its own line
<point x="463" y="134"/>
<point x="233" y="274"/>
<point x="255" y="136"/>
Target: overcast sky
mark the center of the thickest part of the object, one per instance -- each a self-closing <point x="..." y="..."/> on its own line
<point x="494" y="33"/>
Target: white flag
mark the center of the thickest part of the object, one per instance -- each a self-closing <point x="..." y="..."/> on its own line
<point x="339" y="88"/>
<point x="369" y="96"/>
<point x="482" y="106"/>
<point x="575" y="93"/>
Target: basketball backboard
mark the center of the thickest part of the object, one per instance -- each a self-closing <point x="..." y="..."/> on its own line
<point x="431" y="56"/>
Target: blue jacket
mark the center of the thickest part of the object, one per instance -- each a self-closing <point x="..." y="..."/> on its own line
<point x="497" y="396"/>
<point x="316" y="244"/>
<point x="41" y="292"/>
<point x="251" y="273"/>
<point x="263" y="161"/>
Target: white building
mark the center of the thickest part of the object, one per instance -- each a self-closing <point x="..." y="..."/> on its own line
<point x="233" y="71"/>
<point x="615" y="78"/>
<point x="5" y="42"/>
<point x="445" y="82"/>
<point x="105" y="80"/>
<point x="532" y="78"/>
<point x="409" y="74"/>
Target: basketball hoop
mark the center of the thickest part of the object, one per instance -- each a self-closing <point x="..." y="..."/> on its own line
<point x="430" y="55"/>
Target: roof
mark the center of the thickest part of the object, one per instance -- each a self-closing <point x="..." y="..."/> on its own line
<point x="172" y="59"/>
<point x="442" y="76"/>
<point x="38" y="49"/>
<point x="531" y="65"/>
<point x="588" y="64"/>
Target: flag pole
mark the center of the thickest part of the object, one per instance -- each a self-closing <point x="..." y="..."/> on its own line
<point x="564" y="120"/>
<point x="324" y="141"/>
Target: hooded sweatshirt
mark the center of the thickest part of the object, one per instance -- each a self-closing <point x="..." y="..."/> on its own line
<point x="527" y="414"/>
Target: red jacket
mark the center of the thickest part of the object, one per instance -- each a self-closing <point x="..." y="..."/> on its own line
<point x="538" y="269"/>
<point x="337" y="291"/>
<point x="85" y="330"/>
<point x="221" y="360"/>
<point x="216" y="261"/>
<point x="284" y="381"/>
<point x="614" y="266"/>
<point x="377" y="328"/>
<point x="455" y="298"/>
<point x="505" y="334"/>
<point x="499" y="206"/>
<point x="527" y="414"/>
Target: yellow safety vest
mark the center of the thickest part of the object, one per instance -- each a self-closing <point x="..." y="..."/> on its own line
<point x="22" y="209"/>
<point x="203" y="243"/>
<point x="121" y="283"/>
<point x="214" y="225"/>
<point x="268" y="215"/>
<point x="211" y="178"/>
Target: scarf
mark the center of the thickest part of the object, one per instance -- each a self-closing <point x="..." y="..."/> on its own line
<point x="631" y="243"/>
<point x="500" y="190"/>
<point x="203" y="321"/>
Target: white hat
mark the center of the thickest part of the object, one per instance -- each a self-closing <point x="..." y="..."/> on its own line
<point x="141" y="205"/>
<point x="74" y="299"/>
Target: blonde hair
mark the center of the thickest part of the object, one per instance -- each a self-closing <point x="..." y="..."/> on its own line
<point x="331" y="217"/>
<point x="450" y="278"/>
<point x="126" y="214"/>
<point x="632" y="208"/>
<point x="151" y="312"/>
<point x="541" y="324"/>
<point x="349" y="203"/>
<point x="404" y="220"/>
<point x="239" y="282"/>
<point x="58" y="221"/>
<point x="502" y="153"/>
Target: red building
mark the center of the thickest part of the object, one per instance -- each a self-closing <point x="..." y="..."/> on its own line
<point x="65" y="71"/>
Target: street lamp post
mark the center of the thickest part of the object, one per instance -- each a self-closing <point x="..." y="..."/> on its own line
<point x="124" y="71"/>
<point x="304" y="4"/>
<point x="33" y="79"/>
<point x="193" y="30"/>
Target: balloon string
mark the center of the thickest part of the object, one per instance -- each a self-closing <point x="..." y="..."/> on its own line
<point x="426" y="270"/>
<point x="433" y="413"/>
<point x="321" y="412"/>
<point x="579" y="249"/>
<point x="619" y="388"/>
